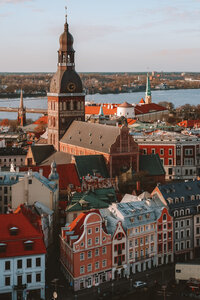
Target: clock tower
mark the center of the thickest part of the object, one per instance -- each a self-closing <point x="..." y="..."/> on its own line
<point x="66" y="99"/>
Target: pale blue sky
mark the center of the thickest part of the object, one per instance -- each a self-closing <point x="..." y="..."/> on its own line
<point x="109" y="35"/>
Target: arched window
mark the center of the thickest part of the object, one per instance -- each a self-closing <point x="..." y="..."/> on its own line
<point x="175" y="213"/>
<point x="182" y="212"/>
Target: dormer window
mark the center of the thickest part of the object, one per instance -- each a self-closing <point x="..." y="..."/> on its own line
<point x="2" y="247"/>
<point x="28" y="245"/>
<point x="192" y="197"/>
<point x="14" y="230"/>
<point x="182" y="199"/>
<point x="176" y="200"/>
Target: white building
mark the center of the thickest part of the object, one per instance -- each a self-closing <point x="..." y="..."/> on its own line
<point x="22" y="259"/>
<point x="126" y="110"/>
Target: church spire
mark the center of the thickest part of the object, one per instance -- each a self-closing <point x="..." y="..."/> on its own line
<point x="148" y="91"/>
<point x="21" y="105"/>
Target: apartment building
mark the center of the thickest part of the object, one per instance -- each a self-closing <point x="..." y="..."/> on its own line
<point x="180" y="154"/>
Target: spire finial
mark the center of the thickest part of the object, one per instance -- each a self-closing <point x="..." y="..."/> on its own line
<point x="65" y="14"/>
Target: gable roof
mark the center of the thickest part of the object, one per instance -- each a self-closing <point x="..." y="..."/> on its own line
<point x="26" y="232"/>
<point x="91" y="164"/>
<point x="181" y="189"/>
<point x="148" y="108"/>
<point x="100" y="198"/>
<point x="60" y="158"/>
<point x="91" y="136"/>
<point x="151" y="164"/>
<point x="41" y="152"/>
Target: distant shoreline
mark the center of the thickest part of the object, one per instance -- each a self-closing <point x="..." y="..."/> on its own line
<point x="14" y="95"/>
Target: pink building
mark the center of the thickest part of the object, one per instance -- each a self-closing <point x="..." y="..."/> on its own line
<point x="86" y="255"/>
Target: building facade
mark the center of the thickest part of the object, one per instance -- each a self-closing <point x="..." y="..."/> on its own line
<point x="22" y="259"/>
<point x="85" y="255"/>
<point x="180" y="154"/>
<point x="183" y="202"/>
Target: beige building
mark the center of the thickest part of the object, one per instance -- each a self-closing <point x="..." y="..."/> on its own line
<point x="28" y="187"/>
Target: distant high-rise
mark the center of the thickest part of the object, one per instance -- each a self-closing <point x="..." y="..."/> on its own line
<point x="148" y="91"/>
<point x="66" y="99"/>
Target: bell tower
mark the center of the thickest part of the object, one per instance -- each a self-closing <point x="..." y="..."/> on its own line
<point x="66" y="99"/>
<point x="148" y="98"/>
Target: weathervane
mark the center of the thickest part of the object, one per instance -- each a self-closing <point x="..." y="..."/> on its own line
<point x="66" y="14"/>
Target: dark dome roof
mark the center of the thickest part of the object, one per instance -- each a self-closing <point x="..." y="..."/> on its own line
<point x="66" y="41"/>
<point x="61" y="81"/>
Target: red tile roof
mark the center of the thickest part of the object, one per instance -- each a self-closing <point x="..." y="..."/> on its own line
<point x="107" y="109"/>
<point x="67" y="174"/>
<point x="42" y="120"/>
<point x="148" y="108"/>
<point x="26" y="232"/>
<point x="142" y="101"/>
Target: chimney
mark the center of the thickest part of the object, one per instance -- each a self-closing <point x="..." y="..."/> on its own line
<point x="41" y="172"/>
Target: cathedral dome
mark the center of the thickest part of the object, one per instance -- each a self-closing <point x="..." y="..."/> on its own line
<point x="66" y="41"/>
<point x="66" y="82"/>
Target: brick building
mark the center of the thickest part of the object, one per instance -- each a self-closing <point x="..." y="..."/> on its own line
<point x="116" y="145"/>
<point x="66" y="99"/>
<point x="179" y="153"/>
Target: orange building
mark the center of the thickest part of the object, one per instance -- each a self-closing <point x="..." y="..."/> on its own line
<point x="85" y="251"/>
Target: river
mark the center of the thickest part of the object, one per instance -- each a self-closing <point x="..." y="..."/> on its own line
<point x="177" y="97"/>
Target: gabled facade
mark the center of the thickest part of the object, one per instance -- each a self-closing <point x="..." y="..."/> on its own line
<point x="22" y="259"/>
<point x="116" y="145"/>
<point x="85" y="251"/>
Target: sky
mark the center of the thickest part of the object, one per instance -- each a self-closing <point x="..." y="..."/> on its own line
<point x="109" y="35"/>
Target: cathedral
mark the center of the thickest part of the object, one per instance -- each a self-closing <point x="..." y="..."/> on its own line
<point x="66" y="99"/>
<point x="67" y="130"/>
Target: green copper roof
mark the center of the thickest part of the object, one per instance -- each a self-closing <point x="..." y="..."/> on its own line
<point x="91" y="164"/>
<point x="148" y="86"/>
<point x="151" y="164"/>
<point x="100" y="198"/>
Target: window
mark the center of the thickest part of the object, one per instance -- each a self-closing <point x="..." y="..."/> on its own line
<point x="29" y="263"/>
<point x="89" y="242"/>
<point x="141" y="241"/>
<point x="182" y="223"/>
<point x="97" y="252"/>
<point x="164" y="217"/>
<point x="104" y="263"/>
<point x="28" y="278"/>
<point x="161" y="151"/>
<point x="153" y="151"/>
<point x="136" y="242"/>
<point x="170" y="151"/>
<point x="82" y="256"/>
<point x="19" y="264"/>
<point x="144" y="151"/>
<point x="7" y="280"/>
<point x="182" y="234"/>
<point x="96" y="265"/>
<point x="176" y="235"/>
<point x="82" y="270"/>
<point x="30" y="181"/>
<point x="96" y="240"/>
<point x="170" y="161"/>
<point x="188" y="232"/>
<point x="38" y="261"/>
<point x="97" y="229"/>
<point x="5" y="190"/>
<point x="7" y="265"/>
<point x="89" y="268"/>
<point x="169" y="171"/>
<point x="38" y="277"/>
<point x="19" y="280"/>
<point x="188" y="222"/>
<point x="89" y="254"/>
<point x="104" y="250"/>
<point x="90" y="231"/>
